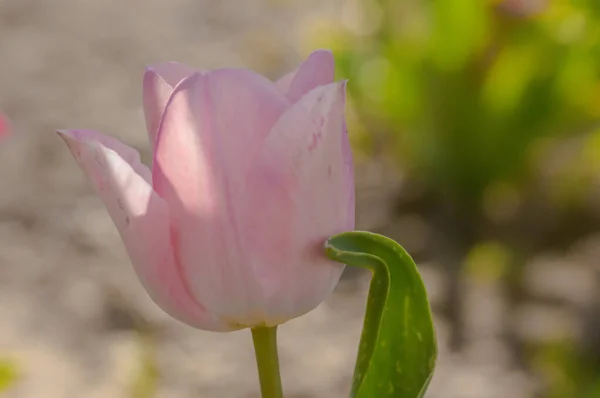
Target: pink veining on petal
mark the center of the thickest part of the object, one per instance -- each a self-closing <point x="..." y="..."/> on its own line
<point x="302" y="193"/>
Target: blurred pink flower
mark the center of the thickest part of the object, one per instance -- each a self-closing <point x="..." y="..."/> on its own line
<point x="249" y="178"/>
<point x="4" y="127"/>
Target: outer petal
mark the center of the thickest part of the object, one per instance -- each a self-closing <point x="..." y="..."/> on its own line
<point x="158" y="84"/>
<point x="142" y="219"/>
<point x="318" y="69"/>
<point x="301" y="191"/>
<point x="212" y="125"/>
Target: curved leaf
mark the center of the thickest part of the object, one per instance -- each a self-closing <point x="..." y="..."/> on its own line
<point x="398" y="349"/>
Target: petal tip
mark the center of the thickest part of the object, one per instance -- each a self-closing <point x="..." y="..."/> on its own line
<point x="152" y="71"/>
<point x="188" y="81"/>
<point x="149" y="68"/>
<point x="344" y="87"/>
<point x="184" y="84"/>
<point x="321" y="51"/>
<point x="158" y="65"/>
<point x="66" y="135"/>
<point x="323" y="56"/>
<point x="170" y="73"/>
<point x="317" y="69"/>
<point x="76" y="135"/>
<point x="339" y="88"/>
<point x="73" y="142"/>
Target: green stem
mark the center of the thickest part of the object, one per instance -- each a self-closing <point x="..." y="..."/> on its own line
<point x="267" y="360"/>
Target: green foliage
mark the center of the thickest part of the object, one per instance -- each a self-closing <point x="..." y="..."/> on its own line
<point x="462" y="91"/>
<point x="8" y="374"/>
<point x="398" y="349"/>
<point x="567" y="371"/>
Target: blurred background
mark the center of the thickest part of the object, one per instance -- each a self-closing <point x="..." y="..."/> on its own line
<point x="475" y="127"/>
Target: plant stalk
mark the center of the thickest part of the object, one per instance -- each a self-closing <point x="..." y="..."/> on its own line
<point x="267" y="361"/>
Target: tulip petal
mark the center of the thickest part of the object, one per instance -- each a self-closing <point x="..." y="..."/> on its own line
<point x="142" y="219"/>
<point x="284" y="82"/>
<point x="317" y="70"/>
<point x="158" y="84"/>
<point x="301" y="192"/>
<point x="245" y="107"/>
<point x="211" y="126"/>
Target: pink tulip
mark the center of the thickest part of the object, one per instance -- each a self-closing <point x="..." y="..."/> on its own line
<point x="249" y="178"/>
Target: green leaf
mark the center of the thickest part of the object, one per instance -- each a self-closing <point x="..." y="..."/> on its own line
<point x="398" y="349"/>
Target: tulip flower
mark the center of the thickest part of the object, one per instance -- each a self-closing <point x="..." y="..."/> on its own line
<point x="245" y="217"/>
<point x="249" y="177"/>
